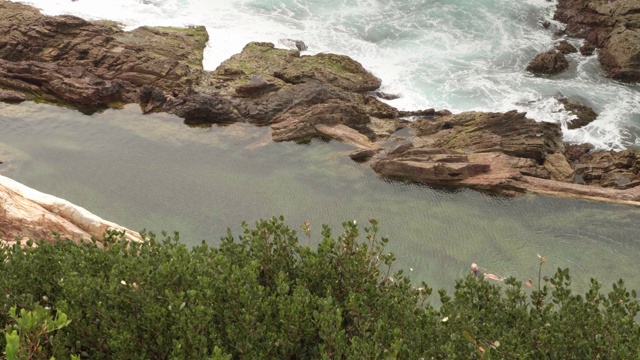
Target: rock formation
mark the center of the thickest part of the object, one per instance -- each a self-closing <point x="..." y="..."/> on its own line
<point x="611" y="26"/>
<point x="566" y="48"/>
<point x="70" y="60"/>
<point x="26" y="213"/>
<point x="299" y="97"/>
<point x="552" y="62"/>
<point x="584" y="114"/>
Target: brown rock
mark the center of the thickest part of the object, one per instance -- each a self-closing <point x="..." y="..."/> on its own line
<point x="385" y="96"/>
<point x="619" y="180"/>
<point x="566" y="48"/>
<point x="96" y="63"/>
<point x="612" y="26"/>
<point x="151" y="97"/>
<point x="197" y="108"/>
<point x="435" y="166"/>
<point x="426" y="113"/>
<point x="608" y="168"/>
<point x="551" y="62"/>
<point x="620" y="57"/>
<point x="11" y="96"/>
<point x="510" y="133"/>
<point x="585" y="115"/>
<point x="299" y="122"/>
<point x="587" y="49"/>
<point x="362" y="155"/>
<point x="256" y="88"/>
<point x="92" y="63"/>
<point x="558" y="167"/>
<point x="573" y="152"/>
<point x="289" y="67"/>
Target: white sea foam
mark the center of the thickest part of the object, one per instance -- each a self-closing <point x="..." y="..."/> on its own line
<point x="455" y="54"/>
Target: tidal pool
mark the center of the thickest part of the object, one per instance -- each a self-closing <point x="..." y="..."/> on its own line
<point x="153" y="172"/>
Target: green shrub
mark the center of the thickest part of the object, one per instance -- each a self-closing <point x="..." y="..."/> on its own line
<point x="263" y="295"/>
<point x="30" y="335"/>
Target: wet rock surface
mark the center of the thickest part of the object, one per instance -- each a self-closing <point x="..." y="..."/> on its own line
<point x="584" y="114"/>
<point x="552" y="62"/>
<point x="611" y="26"/>
<point x="299" y="97"/>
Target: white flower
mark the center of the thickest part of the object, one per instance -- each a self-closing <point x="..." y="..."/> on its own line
<point x="123" y="282"/>
<point x="445" y="319"/>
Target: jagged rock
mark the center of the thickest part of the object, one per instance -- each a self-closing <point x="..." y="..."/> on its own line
<point x="552" y="62"/>
<point x="587" y="49"/>
<point x="619" y="180"/>
<point x="379" y="109"/>
<point x="566" y="48"/>
<point x="256" y="87"/>
<point x="614" y="27"/>
<point x="585" y="115"/>
<point x="151" y="97"/>
<point x="510" y="133"/>
<point x="264" y="108"/>
<point x="92" y="63"/>
<point x="70" y="84"/>
<point x="96" y="63"/>
<point x="573" y="152"/>
<point x="429" y="113"/>
<point x="558" y="167"/>
<point x="200" y="108"/>
<point x="287" y="66"/>
<point x="620" y="57"/>
<point x="385" y="96"/>
<point x="489" y="151"/>
<point x="609" y="168"/>
<point x="300" y="121"/>
<point x="430" y="165"/>
<point x="384" y="128"/>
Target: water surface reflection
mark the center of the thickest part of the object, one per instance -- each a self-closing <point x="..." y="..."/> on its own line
<point x="153" y="172"/>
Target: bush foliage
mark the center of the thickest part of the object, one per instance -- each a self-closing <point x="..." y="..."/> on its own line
<point x="265" y="295"/>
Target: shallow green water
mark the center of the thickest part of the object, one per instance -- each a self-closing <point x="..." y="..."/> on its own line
<point x="153" y="172"/>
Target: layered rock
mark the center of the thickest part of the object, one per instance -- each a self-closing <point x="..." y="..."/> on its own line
<point x="612" y="26"/>
<point x="26" y="213"/>
<point x="299" y="97"/>
<point x="92" y="63"/>
<point x="509" y="154"/>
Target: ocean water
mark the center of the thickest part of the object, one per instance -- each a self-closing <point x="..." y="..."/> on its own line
<point x="153" y="172"/>
<point x="447" y="54"/>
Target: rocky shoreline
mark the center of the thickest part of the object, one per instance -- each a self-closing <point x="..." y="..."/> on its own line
<point x="94" y="65"/>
